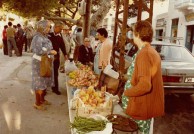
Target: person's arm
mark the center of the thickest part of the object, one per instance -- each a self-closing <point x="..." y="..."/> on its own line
<point x="37" y="46"/>
<point x="75" y="40"/>
<point x="62" y="47"/>
<point x="91" y="55"/>
<point x="144" y="71"/>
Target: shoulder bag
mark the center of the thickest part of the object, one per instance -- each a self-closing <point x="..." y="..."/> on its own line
<point x="45" y="66"/>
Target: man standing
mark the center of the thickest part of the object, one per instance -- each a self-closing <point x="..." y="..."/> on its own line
<point x="67" y="41"/>
<point x="4" y="39"/>
<point x="78" y="41"/>
<point x="105" y="49"/>
<point x="29" y="35"/>
<point x="11" y="39"/>
<point x="19" y="38"/>
<point x="58" y="43"/>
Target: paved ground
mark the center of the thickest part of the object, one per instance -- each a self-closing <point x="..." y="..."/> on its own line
<point x="17" y="116"/>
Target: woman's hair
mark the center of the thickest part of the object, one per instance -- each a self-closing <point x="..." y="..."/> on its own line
<point x="103" y="32"/>
<point x="144" y="30"/>
<point x="42" y="25"/>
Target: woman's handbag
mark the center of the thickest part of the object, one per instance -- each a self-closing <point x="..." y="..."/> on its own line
<point x="45" y="66"/>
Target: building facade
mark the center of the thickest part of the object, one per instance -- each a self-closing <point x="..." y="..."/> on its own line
<point x="177" y="25"/>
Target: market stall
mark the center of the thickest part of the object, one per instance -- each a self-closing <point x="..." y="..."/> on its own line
<point x="77" y="85"/>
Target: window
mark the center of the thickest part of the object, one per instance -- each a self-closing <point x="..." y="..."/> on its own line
<point x="174" y="29"/>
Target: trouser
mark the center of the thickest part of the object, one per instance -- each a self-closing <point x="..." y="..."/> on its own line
<point x="12" y="43"/>
<point x="29" y="40"/>
<point x="76" y="53"/>
<point x="56" y="74"/>
<point x="5" y="48"/>
<point x="25" y="44"/>
<point x="20" y="46"/>
<point x="62" y="61"/>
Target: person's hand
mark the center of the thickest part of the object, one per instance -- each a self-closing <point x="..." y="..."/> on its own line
<point x="53" y="52"/>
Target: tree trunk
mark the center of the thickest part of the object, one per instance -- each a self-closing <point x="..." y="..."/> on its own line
<point x="99" y="15"/>
<point x="96" y="18"/>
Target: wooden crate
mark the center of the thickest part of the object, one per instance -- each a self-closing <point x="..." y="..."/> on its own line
<point x="86" y="110"/>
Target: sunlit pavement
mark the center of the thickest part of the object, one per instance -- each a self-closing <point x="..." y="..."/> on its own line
<point x="17" y="115"/>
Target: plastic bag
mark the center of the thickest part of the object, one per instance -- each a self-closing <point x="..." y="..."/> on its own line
<point x="110" y="72"/>
<point x="70" y="66"/>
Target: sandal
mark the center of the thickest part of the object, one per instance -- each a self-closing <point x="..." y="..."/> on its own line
<point x="39" y="107"/>
<point x="46" y="102"/>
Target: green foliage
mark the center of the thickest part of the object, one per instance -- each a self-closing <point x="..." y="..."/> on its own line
<point x="38" y="8"/>
<point x="30" y="8"/>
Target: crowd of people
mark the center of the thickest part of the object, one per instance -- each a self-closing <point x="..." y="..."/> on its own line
<point x="16" y="38"/>
<point x="57" y="42"/>
<point x="143" y="96"/>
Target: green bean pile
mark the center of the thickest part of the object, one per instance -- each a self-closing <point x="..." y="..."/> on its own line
<point x="86" y="125"/>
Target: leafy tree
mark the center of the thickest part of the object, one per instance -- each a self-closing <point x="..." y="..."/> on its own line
<point x="49" y="8"/>
<point x="30" y="8"/>
<point x="66" y="10"/>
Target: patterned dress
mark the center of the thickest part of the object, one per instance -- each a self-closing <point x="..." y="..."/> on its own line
<point x="40" y="45"/>
<point x="144" y="125"/>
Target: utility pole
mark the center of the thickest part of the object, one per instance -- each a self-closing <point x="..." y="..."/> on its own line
<point x="86" y="19"/>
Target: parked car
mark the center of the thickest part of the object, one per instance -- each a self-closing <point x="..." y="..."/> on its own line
<point x="177" y="66"/>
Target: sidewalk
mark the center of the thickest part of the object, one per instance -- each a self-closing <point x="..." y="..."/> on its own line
<point x="17" y="115"/>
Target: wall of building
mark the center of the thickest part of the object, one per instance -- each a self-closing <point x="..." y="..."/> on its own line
<point x="185" y="19"/>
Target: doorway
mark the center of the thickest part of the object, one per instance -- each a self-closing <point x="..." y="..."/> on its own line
<point x="189" y="38"/>
<point x="159" y="34"/>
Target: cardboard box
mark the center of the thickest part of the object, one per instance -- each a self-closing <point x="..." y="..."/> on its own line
<point x="87" y="110"/>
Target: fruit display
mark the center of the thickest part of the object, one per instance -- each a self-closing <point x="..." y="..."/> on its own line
<point x="91" y="97"/>
<point x="84" y="76"/>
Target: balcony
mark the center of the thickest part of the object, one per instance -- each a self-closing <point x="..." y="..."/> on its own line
<point x="185" y="6"/>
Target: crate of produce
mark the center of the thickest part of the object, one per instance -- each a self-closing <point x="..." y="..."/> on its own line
<point x="91" y="102"/>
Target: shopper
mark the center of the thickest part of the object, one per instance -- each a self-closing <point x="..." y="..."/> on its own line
<point x="105" y="49"/>
<point x="4" y="39"/>
<point x="78" y="41"/>
<point x="11" y="42"/>
<point x="85" y="53"/>
<point x="58" y="43"/>
<point x="19" y="38"/>
<point x="67" y="41"/>
<point x="96" y="59"/>
<point x="143" y="97"/>
<point x="41" y="45"/>
<point x="29" y="35"/>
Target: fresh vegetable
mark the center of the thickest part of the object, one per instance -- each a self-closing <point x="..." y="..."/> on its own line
<point x="85" y="125"/>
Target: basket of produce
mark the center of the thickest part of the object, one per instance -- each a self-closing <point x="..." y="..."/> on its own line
<point x="89" y="101"/>
<point x="95" y="124"/>
<point x="122" y="123"/>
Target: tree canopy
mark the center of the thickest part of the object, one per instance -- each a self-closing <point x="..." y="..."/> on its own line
<point x="37" y="8"/>
<point x="53" y="8"/>
<point x="49" y="8"/>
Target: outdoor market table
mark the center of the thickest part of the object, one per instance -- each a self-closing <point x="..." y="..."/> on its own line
<point x="72" y="113"/>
